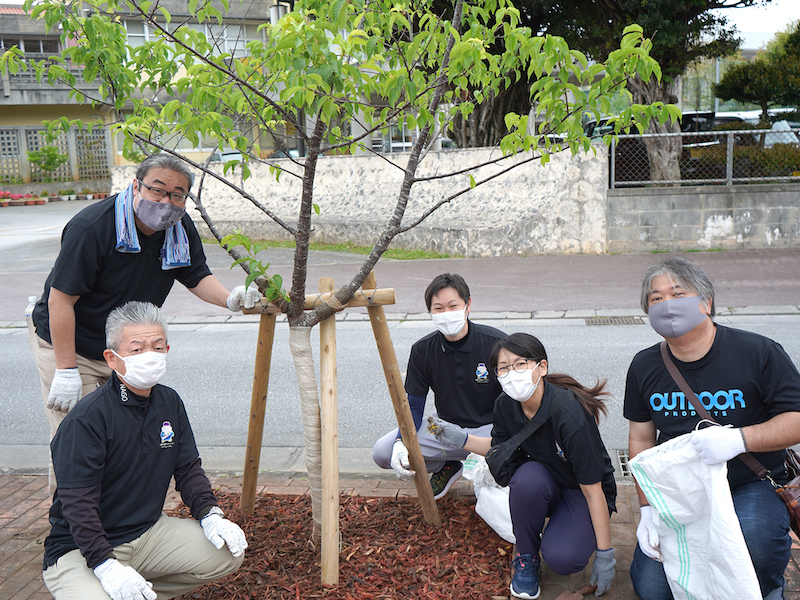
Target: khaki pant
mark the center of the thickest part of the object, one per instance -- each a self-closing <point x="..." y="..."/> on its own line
<point x="174" y="555"/>
<point x="94" y="373"/>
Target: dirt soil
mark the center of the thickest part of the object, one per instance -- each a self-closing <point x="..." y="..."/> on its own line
<point x="388" y="552"/>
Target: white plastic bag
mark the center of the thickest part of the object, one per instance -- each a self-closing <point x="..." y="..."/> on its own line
<point x="492" y="500"/>
<point x="705" y="556"/>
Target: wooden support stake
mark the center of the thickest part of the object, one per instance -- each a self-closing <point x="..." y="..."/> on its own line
<point x="401" y="408"/>
<point x="258" y="406"/>
<point x="330" y="444"/>
<point x="363" y="297"/>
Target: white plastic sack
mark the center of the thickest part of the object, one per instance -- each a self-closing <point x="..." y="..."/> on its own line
<point x="705" y="556"/>
<point x="492" y="500"/>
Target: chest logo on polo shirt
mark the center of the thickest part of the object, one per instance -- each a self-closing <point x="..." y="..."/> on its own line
<point x="481" y="373"/>
<point x="167" y="435"/>
<point x="560" y="453"/>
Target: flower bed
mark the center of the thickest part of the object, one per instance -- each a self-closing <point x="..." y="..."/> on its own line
<point x="387" y="552"/>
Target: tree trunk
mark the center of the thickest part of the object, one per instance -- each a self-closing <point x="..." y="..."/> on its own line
<point x="663" y="153"/>
<point x="300" y="346"/>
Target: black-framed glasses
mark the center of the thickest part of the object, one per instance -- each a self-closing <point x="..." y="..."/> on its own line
<point x="519" y="366"/>
<point x="176" y="197"/>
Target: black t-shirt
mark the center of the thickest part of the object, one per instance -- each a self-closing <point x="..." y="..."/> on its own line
<point x="464" y="387"/>
<point x="568" y="444"/>
<point x="130" y="446"/>
<point x="745" y="379"/>
<point x="88" y="266"/>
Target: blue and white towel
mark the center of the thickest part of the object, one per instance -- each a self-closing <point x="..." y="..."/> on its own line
<point x="175" y="251"/>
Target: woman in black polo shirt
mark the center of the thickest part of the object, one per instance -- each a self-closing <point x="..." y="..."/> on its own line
<point x="561" y="471"/>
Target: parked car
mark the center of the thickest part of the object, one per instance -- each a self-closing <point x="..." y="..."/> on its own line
<point x="226" y="156"/>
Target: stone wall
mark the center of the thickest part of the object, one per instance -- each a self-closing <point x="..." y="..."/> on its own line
<point x="555" y="209"/>
<point x="561" y="208"/>
<point x="704" y="217"/>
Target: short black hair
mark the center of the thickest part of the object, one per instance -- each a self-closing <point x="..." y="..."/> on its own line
<point x="446" y="280"/>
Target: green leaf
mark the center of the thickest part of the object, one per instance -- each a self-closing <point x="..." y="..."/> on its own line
<point x="316" y="208"/>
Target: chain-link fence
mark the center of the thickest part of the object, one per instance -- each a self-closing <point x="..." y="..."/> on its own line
<point x="712" y="157"/>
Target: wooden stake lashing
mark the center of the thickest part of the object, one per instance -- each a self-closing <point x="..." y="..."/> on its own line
<point x="258" y="406"/>
<point x="330" y="444"/>
<point x="401" y="408"/>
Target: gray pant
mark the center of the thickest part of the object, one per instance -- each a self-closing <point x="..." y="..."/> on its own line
<point x="174" y="555"/>
<point x="434" y="453"/>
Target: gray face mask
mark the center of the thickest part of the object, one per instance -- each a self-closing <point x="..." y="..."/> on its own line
<point x="676" y="317"/>
<point x="158" y="216"/>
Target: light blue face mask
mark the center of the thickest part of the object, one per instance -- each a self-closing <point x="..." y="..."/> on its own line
<point x="676" y="317"/>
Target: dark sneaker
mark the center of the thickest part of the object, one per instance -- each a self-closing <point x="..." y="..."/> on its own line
<point x="525" y="582"/>
<point x="447" y="476"/>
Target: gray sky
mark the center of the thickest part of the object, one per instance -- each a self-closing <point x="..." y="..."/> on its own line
<point x="758" y="24"/>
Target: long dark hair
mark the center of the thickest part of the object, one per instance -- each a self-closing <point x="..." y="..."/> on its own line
<point x="528" y="346"/>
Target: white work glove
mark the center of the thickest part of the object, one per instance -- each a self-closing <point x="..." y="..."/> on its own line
<point x="718" y="444"/>
<point x="123" y="583"/>
<point x="221" y="531"/>
<point x="65" y="391"/>
<point x="447" y="433"/>
<point x="647" y="535"/>
<point x="241" y="296"/>
<point x="602" y="570"/>
<point x="400" y="464"/>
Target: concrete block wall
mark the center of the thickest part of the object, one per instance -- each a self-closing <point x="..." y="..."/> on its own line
<point x="703" y="217"/>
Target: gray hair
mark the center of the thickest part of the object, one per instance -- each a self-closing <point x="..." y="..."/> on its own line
<point x="132" y="313"/>
<point x="164" y="161"/>
<point x="683" y="272"/>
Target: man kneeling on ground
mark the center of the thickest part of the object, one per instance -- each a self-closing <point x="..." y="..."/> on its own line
<point x="114" y="456"/>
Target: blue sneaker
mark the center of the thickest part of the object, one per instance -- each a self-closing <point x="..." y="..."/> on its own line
<point x="525" y="582"/>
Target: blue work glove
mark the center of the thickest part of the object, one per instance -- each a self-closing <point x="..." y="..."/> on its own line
<point x="602" y="570"/>
<point x="447" y="433"/>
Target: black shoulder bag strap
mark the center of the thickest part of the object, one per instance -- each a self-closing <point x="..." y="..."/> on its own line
<point x="747" y="458"/>
<point x="531" y="426"/>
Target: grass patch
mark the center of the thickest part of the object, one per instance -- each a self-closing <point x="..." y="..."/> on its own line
<point x="395" y="253"/>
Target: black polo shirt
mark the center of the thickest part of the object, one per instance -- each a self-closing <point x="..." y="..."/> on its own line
<point x="569" y="444"/>
<point x="88" y="266"/>
<point x="129" y="445"/>
<point x="464" y="387"/>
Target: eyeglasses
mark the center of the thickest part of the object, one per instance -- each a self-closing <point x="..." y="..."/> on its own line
<point x="176" y="197"/>
<point x="519" y="366"/>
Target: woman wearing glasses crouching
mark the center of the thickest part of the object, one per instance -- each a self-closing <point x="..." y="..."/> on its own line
<point x="561" y="471"/>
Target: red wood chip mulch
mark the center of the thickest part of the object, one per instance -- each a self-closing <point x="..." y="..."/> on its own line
<point x="388" y="552"/>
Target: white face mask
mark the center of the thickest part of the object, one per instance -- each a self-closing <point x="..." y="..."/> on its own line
<point x="519" y="386"/>
<point x="450" y="322"/>
<point x="143" y="371"/>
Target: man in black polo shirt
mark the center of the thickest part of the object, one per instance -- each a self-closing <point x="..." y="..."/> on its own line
<point x="452" y="362"/>
<point x="115" y="454"/>
<point x="130" y="246"/>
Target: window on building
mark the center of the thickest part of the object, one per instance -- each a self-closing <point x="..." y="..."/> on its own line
<point x="230" y="38"/>
<point x="30" y="45"/>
